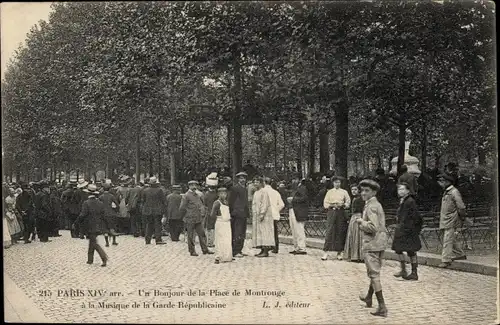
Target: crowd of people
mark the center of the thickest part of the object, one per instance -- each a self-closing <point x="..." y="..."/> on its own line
<point x="217" y="210"/>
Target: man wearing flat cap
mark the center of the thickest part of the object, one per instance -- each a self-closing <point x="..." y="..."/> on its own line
<point x="374" y="242"/>
<point x="238" y="206"/>
<point x="192" y="210"/>
<point x="451" y="217"/>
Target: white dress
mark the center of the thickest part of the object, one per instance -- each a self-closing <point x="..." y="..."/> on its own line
<point x="7" y="240"/>
<point x="223" y="239"/>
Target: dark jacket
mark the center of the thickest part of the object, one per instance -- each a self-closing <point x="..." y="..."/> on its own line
<point x="173" y="205"/>
<point x="406" y="235"/>
<point x="71" y="201"/>
<point x="300" y="203"/>
<point x="238" y="201"/>
<point x="132" y="198"/>
<point x="108" y="199"/>
<point x="92" y="215"/>
<point x="25" y="204"/>
<point x="210" y="198"/>
<point x="43" y="206"/>
<point x="57" y="209"/>
<point x="192" y="209"/>
<point x="357" y="205"/>
<point x="410" y="180"/>
<point x="154" y="201"/>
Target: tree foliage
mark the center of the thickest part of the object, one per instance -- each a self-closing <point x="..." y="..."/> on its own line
<point x="96" y="75"/>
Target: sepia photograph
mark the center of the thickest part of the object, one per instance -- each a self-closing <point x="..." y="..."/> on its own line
<point x="250" y="162"/>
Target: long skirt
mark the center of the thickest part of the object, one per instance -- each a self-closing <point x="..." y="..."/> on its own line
<point x="123" y="209"/>
<point x="353" y="244"/>
<point x="7" y="239"/>
<point x="336" y="231"/>
<point x="223" y="241"/>
<point x="263" y="233"/>
<point x="13" y="224"/>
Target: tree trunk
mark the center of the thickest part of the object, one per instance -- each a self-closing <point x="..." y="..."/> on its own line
<point x="324" y="149"/>
<point x="284" y="148"/>
<point x="481" y="154"/>
<point x="106" y="171"/>
<point x="341" y="138"/>
<point x="237" y="123"/>
<point x="437" y="158"/>
<point x="229" y="145"/>
<point x="312" y="149"/>
<point x="159" y="155"/>
<point x="182" y="147"/>
<point x="275" y="134"/>
<point x="172" y="167"/>
<point x="138" y="154"/>
<point x="151" y="171"/>
<point x="401" y="146"/>
<point x="423" y="160"/>
<point x="301" y="150"/>
<point x="237" y="149"/>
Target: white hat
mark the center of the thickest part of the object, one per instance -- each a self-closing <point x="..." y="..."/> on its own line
<point x="82" y="183"/>
<point x="92" y="189"/>
<point x="212" y="180"/>
<point x="153" y="180"/>
<point x="108" y="181"/>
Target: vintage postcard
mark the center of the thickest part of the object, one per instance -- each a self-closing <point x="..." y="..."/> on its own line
<point x="250" y="162"/>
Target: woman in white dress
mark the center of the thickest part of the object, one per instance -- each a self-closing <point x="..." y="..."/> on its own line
<point x="222" y="238"/>
<point x="12" y="217"/>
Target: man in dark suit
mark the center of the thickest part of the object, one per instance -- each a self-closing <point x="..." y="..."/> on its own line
<point x="192" y="210"/>
<point x="71" y="202"/>
<point x="133" y="206"/>
<point x="238" y="206"/>
<point x="173" y="215"/>
<point x="25" y="205"/>
<point x="154" y="204"/>
<point x="43" y="211"/>
<point x="93" y="214"/>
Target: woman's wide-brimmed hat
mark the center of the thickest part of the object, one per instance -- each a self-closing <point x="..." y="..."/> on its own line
<point x="337" y="178"/>
<point x="92" y="189"/>
<point x="82" y="183"/>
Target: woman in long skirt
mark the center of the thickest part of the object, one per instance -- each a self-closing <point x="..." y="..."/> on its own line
<point x="12" y="217"/>
<point x="7" y="239"/>
<point x="336" y="201"/>
<point x="222" y="237"/>
<point x="353" y="244"/>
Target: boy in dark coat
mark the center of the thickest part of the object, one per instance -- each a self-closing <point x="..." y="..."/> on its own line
<point x="407" y="234"/>
<point x="111" y="205"/>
